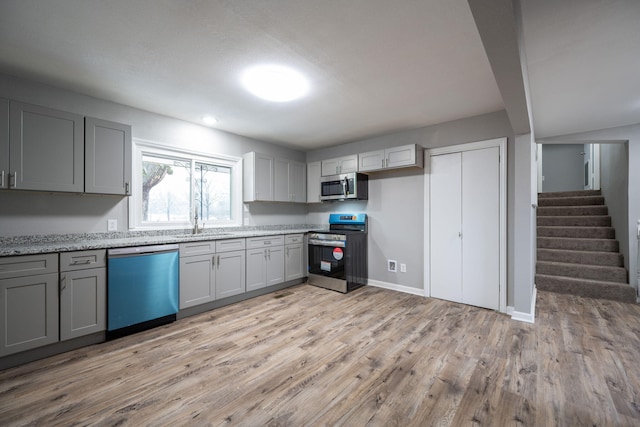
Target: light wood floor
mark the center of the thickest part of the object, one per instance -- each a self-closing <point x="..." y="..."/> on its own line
<point x="307" y="356"/>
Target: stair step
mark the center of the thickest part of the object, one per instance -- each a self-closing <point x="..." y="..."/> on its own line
<point x="582" y="271"/>
<point x="587" y="288"/>
<point x="575" y="221"/>
<point x="578" y="232"/>
<point x="573" y="244"/>
<point x="612" y="259"/>
<point x="569" y="193"/>
<point x="571" y="210"/>
<point x="571" y="201"/>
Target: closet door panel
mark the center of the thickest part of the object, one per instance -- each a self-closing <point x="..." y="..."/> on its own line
<point x="481" y="228"/>
<point x="445" y="214"/>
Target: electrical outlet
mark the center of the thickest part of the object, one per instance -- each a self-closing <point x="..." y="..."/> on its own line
<point x="392" y="266"/>
<point x="112" y="225"/>
<point x="403" y="268"/>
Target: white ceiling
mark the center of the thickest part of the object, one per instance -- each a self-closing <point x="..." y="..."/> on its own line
<point x="376" y="66"/>
<point x="583" y="59"/>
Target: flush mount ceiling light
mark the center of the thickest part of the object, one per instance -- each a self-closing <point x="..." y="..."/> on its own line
<point x="209" y="120"/>
<point x="275" y="83"/>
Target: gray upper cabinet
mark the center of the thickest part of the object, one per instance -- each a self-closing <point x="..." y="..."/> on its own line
<point x="258" y="180"/>
<point x="392" y="158"/>
<point x="340" y="165"/>
<point x="313" y="182"/>
<point x="107" y="157"/>
<point x="46" y="149"/>
<point x="4" y="143"/>
<point x="290" y="181"/>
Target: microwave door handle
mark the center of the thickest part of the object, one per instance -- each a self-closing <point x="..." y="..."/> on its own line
<point x="345" y="187"/>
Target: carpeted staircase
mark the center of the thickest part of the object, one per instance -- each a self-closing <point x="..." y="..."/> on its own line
<point x="577" y="250"/>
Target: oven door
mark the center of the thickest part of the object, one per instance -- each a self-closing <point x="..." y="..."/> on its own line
<point x="327" y="264"/>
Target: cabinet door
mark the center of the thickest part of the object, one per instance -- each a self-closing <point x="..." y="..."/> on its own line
<point x="107" y="157"/>
<point x="313" y="182"/>
<point x="294" y="262"/>
<point x="298" y="182"/>
<point x="275" y="265"/>
<point x="230" y="274"/>
<point x="46" y="148"/>
<point x="330" y="167"/>
<point x="197" y="280"/>
<point x="257" y="177"/>
<point x="401" y="156"/>
<point x="349" y="164"/>
<point x="281" y="189"/>
<point x="4" y="143"/>
<point x="28" y="312"/>
<point x="371" y="161"/>
<point x="256" y="269"/>
<point x="83" y="302"/>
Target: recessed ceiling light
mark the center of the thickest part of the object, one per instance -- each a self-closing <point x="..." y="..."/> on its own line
<point x="275" y="83"/>
<point x="209" y="120"/>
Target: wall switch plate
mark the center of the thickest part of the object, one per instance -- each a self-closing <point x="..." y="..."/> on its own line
<point x="112" y="225"/>
<point x="392" y="266"/>
<point x="403" y="268"/>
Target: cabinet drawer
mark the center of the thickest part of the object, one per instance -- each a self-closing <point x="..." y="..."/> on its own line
<point x="70" y="261"/>
<point x="28" y="265"/>
<point x="230" y="245"/>
<point x="293" y="238"/>
<point x="197" y="248"/>
<point x="265" y="242"/>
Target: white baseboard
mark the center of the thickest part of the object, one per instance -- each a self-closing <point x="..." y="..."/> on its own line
<point x="525" y="317"/>
<point x="394" y="287"/>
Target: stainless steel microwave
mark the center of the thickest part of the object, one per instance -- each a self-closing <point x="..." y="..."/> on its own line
<point x="346" y="186"/>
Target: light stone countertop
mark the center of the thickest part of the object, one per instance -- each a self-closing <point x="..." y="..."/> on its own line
<point x="40" y="244"/>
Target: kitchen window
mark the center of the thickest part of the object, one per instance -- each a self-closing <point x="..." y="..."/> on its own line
<point x="171" y="185"/>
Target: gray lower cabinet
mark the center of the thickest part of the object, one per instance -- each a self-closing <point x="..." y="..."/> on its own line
<point x="28" y="302"/>
<point x="197" y="280"/>
<point x="265" y="262"/>
<point x="46" y="149"/>
<point x="294" y="259"/>
<point x="83" y="293"/>
<point x="211" y="270"/>
<point x="230" y="274"/>
<point x="107" y="157"/>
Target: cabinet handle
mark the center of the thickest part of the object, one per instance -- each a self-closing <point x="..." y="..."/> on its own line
<point x="265" y="254"/>
<point x="63" y="283"/>
<point x="269" y="250"/>
<point x="218" y="262"/>
<point x="213" y="262"/>
<point x="2" y="180"/>
<point x="79" y="262"/>
<point x="126" y="187"/>
<point x="387" y="165"/>
<point x="287" y="252"/>
<point x="15" y="180"/>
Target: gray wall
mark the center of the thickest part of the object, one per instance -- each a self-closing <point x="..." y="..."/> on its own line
<point x="42" y="213"/>
<point x="396" y="198"/>
<point x="632" y="135"/>
<point x="562" y="167"/>
<point x="614" y="173"/>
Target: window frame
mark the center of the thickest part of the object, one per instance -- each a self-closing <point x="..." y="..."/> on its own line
<point x="144" y="147"/>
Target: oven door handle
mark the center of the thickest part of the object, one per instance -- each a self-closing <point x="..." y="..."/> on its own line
<point x="331" y="243"/>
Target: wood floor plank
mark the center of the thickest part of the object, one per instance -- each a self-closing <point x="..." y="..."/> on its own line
<point x="310" y="356"/>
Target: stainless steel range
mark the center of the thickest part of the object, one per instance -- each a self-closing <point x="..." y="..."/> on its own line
<point x="338" y="257"/>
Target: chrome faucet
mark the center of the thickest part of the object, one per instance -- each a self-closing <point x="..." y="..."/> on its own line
<point x="196" y="228"/>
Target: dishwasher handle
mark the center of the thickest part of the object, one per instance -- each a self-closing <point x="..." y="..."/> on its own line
<point x="141" y="250"/>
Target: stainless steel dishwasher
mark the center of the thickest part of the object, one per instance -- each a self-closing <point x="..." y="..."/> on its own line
<point x="142" y="288"/>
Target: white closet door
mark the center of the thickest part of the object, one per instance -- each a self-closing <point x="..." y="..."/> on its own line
<point x="481" y="227"/>
<point x="445" y="214"/>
